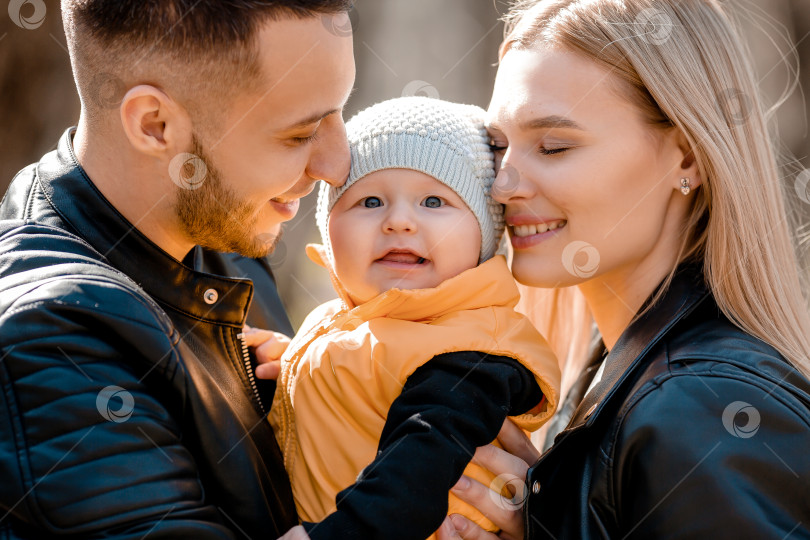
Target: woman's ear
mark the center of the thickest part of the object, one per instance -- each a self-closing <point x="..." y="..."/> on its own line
<point x="154" y="123"/>
<point x="688" y="167"/>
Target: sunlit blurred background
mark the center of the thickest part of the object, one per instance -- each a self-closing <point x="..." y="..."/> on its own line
<point x="440" y="48"/>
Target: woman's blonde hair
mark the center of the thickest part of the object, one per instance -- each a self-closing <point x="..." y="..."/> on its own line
<point x="686" y="66"/>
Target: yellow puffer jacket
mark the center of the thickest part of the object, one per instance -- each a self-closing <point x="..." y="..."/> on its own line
<point x="347" y="365"/>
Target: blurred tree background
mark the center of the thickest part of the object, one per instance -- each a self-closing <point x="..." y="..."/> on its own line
<point x="442" y="48"/>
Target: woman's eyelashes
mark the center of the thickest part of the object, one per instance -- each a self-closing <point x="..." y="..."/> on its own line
<point x="552" y="151"/>
<point x="500" y="148"/>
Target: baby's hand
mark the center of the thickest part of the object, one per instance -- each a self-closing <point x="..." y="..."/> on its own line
<point x="268" y="346"/>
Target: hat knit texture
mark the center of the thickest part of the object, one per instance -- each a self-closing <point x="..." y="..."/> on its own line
<point x="447" y="141"/>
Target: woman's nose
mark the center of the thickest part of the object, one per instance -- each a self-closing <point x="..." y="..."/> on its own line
<point x="509" y="183"/>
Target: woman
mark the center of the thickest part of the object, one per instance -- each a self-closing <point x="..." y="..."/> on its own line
<point x="640" y="185"/>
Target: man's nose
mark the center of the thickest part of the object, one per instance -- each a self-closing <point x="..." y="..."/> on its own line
<point x="330" y="160"/>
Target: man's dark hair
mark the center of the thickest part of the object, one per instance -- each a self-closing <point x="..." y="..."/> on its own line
<point x="203" y="42"/>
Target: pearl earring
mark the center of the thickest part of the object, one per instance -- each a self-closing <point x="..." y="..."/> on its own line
<point x="686" y="186"/>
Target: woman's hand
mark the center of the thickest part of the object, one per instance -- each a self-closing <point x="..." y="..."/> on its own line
<point x="268" y="346"/>
<point x="297" y="532"/>
<point x="513" y="463"/>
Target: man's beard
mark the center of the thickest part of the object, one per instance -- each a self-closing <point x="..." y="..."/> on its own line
<point x="214" y="217"/>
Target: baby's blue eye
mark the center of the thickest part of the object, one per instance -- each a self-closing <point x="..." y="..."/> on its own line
<point x="433" y="202"/>
<point x="372" y="202"/>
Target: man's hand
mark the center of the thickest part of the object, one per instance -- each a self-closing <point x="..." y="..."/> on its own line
<point x="268" y="346"/>
<point x="296" y="533"/>
<point x="513" y="461"/>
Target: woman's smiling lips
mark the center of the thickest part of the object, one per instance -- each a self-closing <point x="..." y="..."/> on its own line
<point x="528" y="231"/>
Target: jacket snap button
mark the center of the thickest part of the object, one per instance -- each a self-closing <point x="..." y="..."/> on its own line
<point x="210" y="296"/>
<point x="535" y="487"/>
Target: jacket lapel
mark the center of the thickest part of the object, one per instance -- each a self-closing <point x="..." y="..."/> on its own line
<point x="686" y="291"/>
<point x="83" y="209"/>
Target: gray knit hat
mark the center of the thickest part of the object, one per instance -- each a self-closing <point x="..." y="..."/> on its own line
<point x="444" y="140"/>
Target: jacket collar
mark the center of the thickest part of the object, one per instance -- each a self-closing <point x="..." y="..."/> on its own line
<point x="488" y="284"/>
<point x="685" y="293"/>
<point x="82" y="206"/>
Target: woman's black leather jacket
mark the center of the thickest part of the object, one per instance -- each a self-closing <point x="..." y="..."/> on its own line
<point x="696" y="430"/>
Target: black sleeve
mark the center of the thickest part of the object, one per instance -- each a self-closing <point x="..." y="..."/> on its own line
<point x="736" y="445"/>
<point x="448" y="407"/>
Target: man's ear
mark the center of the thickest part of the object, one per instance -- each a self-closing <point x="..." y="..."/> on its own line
<point x="154" y="123"/>
<point x="688" y="167"/>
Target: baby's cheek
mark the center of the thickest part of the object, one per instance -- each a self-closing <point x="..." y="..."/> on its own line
<point x="456" y="258"/>
<point x="355" y="275"/>
<point x="461" y="245"/>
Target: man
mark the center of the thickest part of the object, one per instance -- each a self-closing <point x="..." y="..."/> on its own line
<point x="129" y="406"/>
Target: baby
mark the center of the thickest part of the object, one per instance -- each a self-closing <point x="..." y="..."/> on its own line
<point x="385" y="392"/>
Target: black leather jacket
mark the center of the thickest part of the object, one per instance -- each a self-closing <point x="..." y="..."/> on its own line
<point x="696" y="430"/>
<point x="128" y="403"/>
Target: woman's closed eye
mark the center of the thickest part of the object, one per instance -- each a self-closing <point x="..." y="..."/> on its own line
<point x="500" y="148"/>
<point x="553" y="151"/>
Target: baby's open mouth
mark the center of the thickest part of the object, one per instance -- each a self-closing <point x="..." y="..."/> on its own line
<point x="402" y="257"/>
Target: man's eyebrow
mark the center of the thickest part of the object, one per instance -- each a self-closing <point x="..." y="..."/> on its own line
<point x="317" y="117"/>
<point x="548" y="122"/>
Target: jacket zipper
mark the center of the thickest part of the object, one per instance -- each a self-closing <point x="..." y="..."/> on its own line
<point x="249" y="370"/>
<point x="288" y="416"/>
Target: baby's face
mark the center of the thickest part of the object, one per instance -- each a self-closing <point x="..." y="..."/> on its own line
<point x="399" y="228"/>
